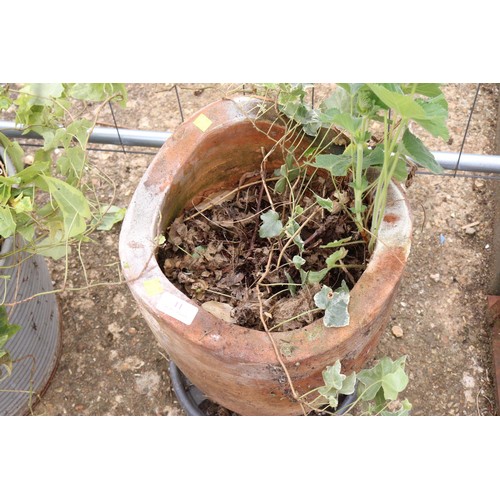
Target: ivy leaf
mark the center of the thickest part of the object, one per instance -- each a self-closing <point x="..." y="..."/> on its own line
<point x="333" y="380"/>
<point x="292" y="226"/>
<point x="349" y="384"/>
<point x="336" y="383"/>
<point x="387" y="375"/>
<point x="271" y="225"/>
<point x="419" y="152"/>
<point x="335" y="303"/>
<point x="337" y="165"/>
<point x="298" y="261"/>
<point x="287" y="173"/>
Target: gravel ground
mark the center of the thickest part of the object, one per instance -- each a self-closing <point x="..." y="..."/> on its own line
<point x="111" y="365"/>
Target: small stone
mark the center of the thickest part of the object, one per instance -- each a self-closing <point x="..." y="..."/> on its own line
<point x="470" y="230"/>
<point x="435" y="277"/>
<point x="29" y="159"/>
<point x="397" y="331"/>
<point x="147" y="383"/>
<point x="403" y="304"/>
<point x="132" y="330"/>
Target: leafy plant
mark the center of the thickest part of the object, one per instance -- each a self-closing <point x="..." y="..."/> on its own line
<point x="51" y="201"/>
<point x="48" y="199"/>
<point x="372" y="122"/>
<point x="377" y="389"/>
<point x="7" y="331"/>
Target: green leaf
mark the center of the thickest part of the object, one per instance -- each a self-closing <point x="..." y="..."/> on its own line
<point x="30" y="173"/>
<point x="73" y="205"/>
<point x="292" y="226"/>
<point x="22" y="204"/>
<point x="436" y="115"/>
<point x="337" y="165"/>
<point x="335" y="303"/>
<point x="332" y="376"/>
<point x="292" y="286"/>
<point x="288" y="174"/>
<point x="349" y="384"/>
<point x="7" y="223"/>
<point x="403" y="105"/>
<point x="80" y="130"/>
<point x="387" y="375"/>
<point x="325" y="203"/>
<point x="339" y="100"/>
<point x="55" y="138"/>
<point x="111" y="215"/>
<point x="343" y="120"/>
<point x="97" y="91"/>
<point x="14" y="151"/>
<point x="337" y="243"/>
<point x="336" y="383"/>
<point x="271" y="226"/>
<point x="314" y="277"/>
<point x="298" y="261"/>
<point x="427" y="89"/>
<point x="419" y="153"/>
<point x="43" y="92"/>
<point x="7" y="330"/>
<point x="71" y="163"/>
<point x="5" y="102"/>
<point x="332" y="260"/>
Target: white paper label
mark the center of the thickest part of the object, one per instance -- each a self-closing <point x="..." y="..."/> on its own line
<point x="177" y="308"/>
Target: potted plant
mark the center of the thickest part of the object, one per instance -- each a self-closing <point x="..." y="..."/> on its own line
<point x="49" y="206"/>
<point x="324" y="218"/>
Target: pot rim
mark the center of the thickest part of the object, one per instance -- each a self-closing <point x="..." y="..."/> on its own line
<point x="157" y="294"/>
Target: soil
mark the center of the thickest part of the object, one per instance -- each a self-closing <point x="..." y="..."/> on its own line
<point x="111" y="364"/>
<point x="214" y="254"/>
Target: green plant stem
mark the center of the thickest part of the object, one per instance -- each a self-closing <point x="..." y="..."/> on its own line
<point x="391" y="158"/>
<point x="295" y="317"/>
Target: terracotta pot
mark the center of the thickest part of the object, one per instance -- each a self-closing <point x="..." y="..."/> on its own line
<point x="235" y="366"/>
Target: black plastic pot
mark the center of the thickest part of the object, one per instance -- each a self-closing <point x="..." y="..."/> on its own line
<point x="191" y="398"/>
<point x="36" y="347"/>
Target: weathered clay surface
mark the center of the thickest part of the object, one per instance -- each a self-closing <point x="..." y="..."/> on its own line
<point x="234" y="366"/>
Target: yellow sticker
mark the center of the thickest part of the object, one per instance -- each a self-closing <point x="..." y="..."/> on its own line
<point x="153" y="287"/>
<point x="203" y="122"/>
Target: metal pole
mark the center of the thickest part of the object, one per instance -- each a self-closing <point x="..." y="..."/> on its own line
<point x="101" y="135"/>
<point x="489" y="164"/>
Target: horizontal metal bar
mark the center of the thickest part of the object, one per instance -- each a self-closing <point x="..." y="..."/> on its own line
<point x="488" y="164"/>
<point x="101" y="135"/>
